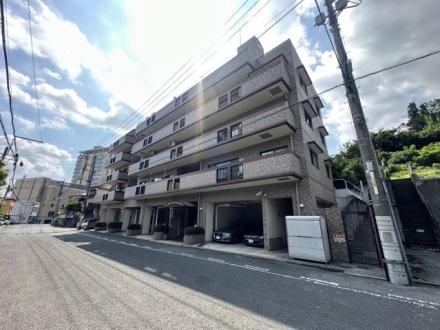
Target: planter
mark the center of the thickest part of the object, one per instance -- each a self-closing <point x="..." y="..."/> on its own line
<point x="194" y="239"/>
<point x="134" y="232"/>
<point x="113" y="230"/>
<point x="159" y="235"/>
<point x="100" y="228"/>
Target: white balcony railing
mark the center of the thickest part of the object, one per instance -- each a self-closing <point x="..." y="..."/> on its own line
<point x="260" y="168"/>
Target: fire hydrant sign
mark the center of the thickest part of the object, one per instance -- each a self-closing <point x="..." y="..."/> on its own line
<point x="339" y="238"/>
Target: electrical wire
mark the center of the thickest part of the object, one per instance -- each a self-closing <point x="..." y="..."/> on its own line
<point x="153" y="102"/>
<point x="37" y="108"/>
<point x="166" y="153"/>
<point x="8" y="82"/>
<point x="296" y="4"/>
<point x="244" y="3"/>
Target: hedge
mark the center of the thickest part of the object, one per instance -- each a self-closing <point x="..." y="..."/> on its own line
<point x="134" y="226"/>
<point x="194" y="231"/>
<point x="115" y="225"/>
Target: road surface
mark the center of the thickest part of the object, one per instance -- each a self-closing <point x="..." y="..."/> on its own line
<point x="54" y="278"/>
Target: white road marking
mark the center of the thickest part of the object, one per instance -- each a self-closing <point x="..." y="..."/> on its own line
<point x="391" y="297"/>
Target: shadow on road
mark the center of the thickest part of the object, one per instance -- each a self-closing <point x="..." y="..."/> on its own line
<point x="270" y="296"/>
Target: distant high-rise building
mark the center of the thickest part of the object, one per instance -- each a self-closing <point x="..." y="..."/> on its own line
<point x="96" y="157"/>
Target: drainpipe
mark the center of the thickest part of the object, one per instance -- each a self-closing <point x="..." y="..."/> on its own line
<point x="298" y="205"/>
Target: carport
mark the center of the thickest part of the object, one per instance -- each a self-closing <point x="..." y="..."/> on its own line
<point x="243" y="215"/>
<point x="276" y="210"/>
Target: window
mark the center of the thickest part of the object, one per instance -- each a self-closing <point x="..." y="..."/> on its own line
<point x="314" y="158"/>
<point x="115" y="144"/>
<point x="175" y="126"/>
<point x="173" y="153"/>
<point x="153" y="117"/>
<point x="109" y="177"/>
<point x="303" y="85"/>
<point x="169" y="185"/>
<point x="142" y="190"/>
<point x="273" y="151"/>
<point x="177" y="183"/>
<point x="184" y="97"/>
<point x="148" y="121"/>
<point x="235" y="94"/>
<point x="150" y="139"/>
<point x="104" y="197"/>
<point x="329" y="171"/>
<point x="179" y="151"/>
<point x="144" y="164"/>
<point x="223" y="101"/>
<point x="138" y="190"/>
<point x="222" y="135"/>
<point x="237" y="172"/>
<point x="182" y="122"/>
<point x="235" y="130"/>
<point x="112" y="160"/>
<point x="177" y="101"/>
<point x="308" y="119"/>
<point x="222" y="174"/>
<point x="51" y="205"/>
<point x="322" y="138"/>
<point x="223" y="163"/>
<point x="141" y="165"/>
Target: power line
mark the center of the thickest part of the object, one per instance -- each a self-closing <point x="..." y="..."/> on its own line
<point x="296" y="4"/>
<point x="37" y="108"/>
<point x="8" y="84"/>
<point x="133" y="118"/>
<point x="166" y="155"/>
<point x="244" y="3"/>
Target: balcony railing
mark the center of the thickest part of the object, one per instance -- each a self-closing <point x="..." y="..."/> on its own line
<point x="122" y="144"/>
<point x="112" y="196"/>
<point x="285" y="164"/>
<point x="261" y="88"/>
<point x="121" y="159"/>
<point x="250" y="125"/>
<point x="117" y="176"/>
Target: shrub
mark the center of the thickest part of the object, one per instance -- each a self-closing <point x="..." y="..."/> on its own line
<point x="101" y="224"/>
<point x="134" y="226"/>
<point x="115" y="225"/>
<point x="194" y="231"/>
<point x="160" y="229"/>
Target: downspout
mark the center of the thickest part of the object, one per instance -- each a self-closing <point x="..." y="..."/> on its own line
<point x="297" y="198"/>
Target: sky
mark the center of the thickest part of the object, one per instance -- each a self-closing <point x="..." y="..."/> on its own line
<point x="98" y="64"/>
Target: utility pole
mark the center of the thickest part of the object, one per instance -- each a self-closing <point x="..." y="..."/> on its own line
<point x="394" y="253"/>
<point x="59" y="198"/>
<point x="89" y="182"/>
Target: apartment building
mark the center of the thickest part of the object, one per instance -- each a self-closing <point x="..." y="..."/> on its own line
<point x="90" y="160"/>
<point x="41" y="198"/>
<point x="245" y="146"/>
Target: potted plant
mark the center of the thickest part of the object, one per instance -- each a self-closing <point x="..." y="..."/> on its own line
<point x="160" y="232"/>
<point x="194" y="235"/>
<point x="100" y="226"/>
<point x="134" y="229"/>
<point x="114" y="227"/>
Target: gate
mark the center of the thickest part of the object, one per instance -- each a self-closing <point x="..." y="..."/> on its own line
<point x="360" y="234"/>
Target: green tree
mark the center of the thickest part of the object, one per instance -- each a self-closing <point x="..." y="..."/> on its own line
<point x="3" y="174"/>
<point x="73" y="206"/>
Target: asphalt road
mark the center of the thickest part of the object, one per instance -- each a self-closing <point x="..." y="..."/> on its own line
<point x="57" y="278"/>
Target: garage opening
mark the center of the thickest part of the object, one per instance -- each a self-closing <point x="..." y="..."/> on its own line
<point x="239" y="222"/>
<point x="276" y="210"/>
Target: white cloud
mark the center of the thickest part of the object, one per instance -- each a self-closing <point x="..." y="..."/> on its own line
<point x="41" y="159"/>
<point x="52" y="74"/>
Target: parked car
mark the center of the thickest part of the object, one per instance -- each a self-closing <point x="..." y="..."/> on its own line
<point x="254" y="236"/>
<point x="228" y="235"/>
<point x="88" y="224"/>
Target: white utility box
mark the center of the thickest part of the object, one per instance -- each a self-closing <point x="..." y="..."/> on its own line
<point x="307" y="238"/>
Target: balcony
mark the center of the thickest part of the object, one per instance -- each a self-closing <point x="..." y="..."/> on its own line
<point x="261" y="88"/>
<point x="125" y="143"/>
<point x="278" y="168"/>
<point x="257" y="128"/>
<point x="117" y="177"/>
<point x="120" y="160"/>
<point x="112" y="197"/>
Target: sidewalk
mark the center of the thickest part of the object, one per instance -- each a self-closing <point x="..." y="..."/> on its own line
<point x="366" y="271"/>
